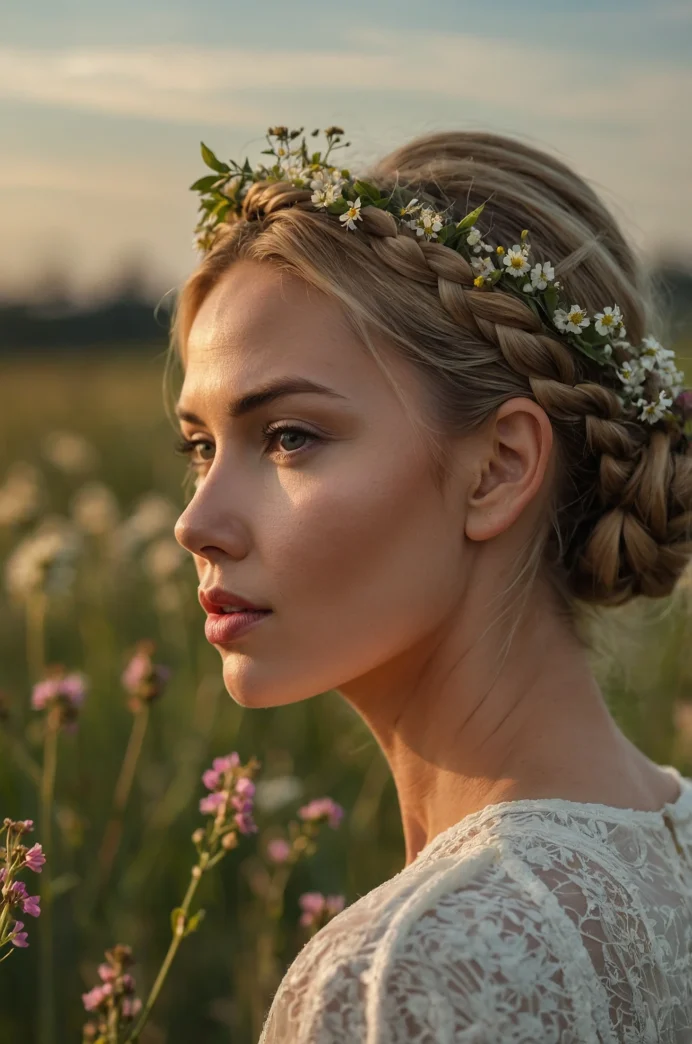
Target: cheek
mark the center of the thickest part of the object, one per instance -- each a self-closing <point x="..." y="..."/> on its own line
<point x="360" y="563"/>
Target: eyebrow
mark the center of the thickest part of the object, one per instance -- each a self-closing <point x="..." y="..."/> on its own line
<point x="267" y="393"/>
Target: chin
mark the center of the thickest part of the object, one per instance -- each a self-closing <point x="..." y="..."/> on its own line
<point x="246" y="688"/>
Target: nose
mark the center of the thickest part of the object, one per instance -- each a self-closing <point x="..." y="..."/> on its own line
<point x="209" y="529"/>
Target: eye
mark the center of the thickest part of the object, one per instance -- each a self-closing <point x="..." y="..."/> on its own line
<point x="278" y="431"/>
<point x="188" y="447"/>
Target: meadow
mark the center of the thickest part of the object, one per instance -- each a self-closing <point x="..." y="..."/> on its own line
<point x="87" y="452"/>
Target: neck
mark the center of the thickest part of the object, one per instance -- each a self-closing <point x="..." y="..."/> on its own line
<point x="463" y="725"/>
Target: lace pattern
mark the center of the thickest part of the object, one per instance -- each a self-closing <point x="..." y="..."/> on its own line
<point x="538" y="921"/>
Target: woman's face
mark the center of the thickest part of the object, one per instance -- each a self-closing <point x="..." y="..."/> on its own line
<point x="338" y="527"/>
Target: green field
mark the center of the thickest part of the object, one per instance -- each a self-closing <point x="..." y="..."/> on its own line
<point x="130" y="585"/>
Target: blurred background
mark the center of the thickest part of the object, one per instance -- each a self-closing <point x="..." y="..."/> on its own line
<point x="102" y="108"/>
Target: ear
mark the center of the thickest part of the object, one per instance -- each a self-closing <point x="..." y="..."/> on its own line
<point x="515" y="455"/>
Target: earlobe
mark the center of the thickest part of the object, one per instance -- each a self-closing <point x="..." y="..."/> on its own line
<point x="517" y="453"/>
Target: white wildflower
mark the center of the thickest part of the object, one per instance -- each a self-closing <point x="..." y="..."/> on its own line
<point x="324" y="196"/>
<point x="95" y="509"/>
<point x="653" y="354"/>
<point x="482" y="266"/>
<point x="541" y="275"/>
<point x="291" y="168"/>
<point x="474" y="237"/>
<point x="608" y="321"/>
<point x="670" y="377"/>
<point x="230" y="186"/>
<point x="632" y="376"/>
<point x="352" y="215"/>
<point x="70" y="452"/>
<point x="654" y="411"/>
<point x="573" y="321"/>
<point x="428" y="223"/>
<point x="411" y="208"/>
<point x="22" y="495"/>
<point x="324" y="178"/>
<point x="44" y="561"/>
<point x="163" y="558"/>
<point x="516" y="262"/>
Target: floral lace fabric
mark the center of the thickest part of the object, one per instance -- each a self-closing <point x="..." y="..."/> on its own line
<point x="538" y="921"/>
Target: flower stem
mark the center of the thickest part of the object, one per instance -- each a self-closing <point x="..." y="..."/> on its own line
<point x="178" y="933"/>
<point x="111" y="837"/>
<point x="46" y="1005"/>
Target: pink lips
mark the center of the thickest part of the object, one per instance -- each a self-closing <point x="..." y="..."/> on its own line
<point x="220" y="628"/>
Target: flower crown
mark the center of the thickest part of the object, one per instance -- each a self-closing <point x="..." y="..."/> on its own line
<point x="649" y="383"/>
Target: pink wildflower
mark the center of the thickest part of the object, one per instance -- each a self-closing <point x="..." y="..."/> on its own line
<point x="106" y="972"/>
<point x="31" y="905"/>
<point x="26" y="824"/>
<point x="131" y="1006"/>
<point x="142" y="678"/>
<point x="226" y="763"/>
<point x="211" y="802"/>
<point x="278" y="850"/>
<point x="35" y="858"/>
<point x="19" y="938"/>
<point x="320" y="808"/>
<point x="71" y="687"/>
<point x="244" y="823"/>
<point x="314" y="905"/>
<point x="245" y="787"/>
<point x="96" y="996"/>
<point x="211" y="779"/>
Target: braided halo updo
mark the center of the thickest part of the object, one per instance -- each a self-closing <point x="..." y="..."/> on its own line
<point x="621" y="518"/>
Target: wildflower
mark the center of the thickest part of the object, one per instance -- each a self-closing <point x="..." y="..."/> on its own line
<point x="499" y="250"/>
<point x="352" y="215"/>
<point x="45" y="560"/>
<point x="482" y="266"/>
<point x="632" y="376"/>
<point x="541" y="275"/>
<point x="428" y="223"/>
<point x="317" y="907"/>
<point x="230" y="186"/>
<point x="654" y="411"/>
<point x="22" y="495"/>
<point x="94" y="508"/>
<point x="228" y="795"/>
<point x="143" y="679"/>
<point x="322" y="197"/>
<point x="516" y="262"/>
<point x="62" y="693"/>
<point x="410" y="208"/>
<point x="34" y="858"/>
<point x="571" y="322"/>
<point x="653" y="354"/>
<point x="212" y="802"/>
<point x="278" y="850"/>
<point x="70" y="452"/>
<point x="18" y="937"/>
<point x="320" y="808"/>
<point x="608" y="321"/>
<point x="474" y="237"/>
<point x="326" y="185"/>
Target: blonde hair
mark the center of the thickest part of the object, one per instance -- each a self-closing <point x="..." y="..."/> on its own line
<point x="620" y="520"/>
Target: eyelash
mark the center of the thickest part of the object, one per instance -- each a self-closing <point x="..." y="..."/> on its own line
<point x="186" y="447"/>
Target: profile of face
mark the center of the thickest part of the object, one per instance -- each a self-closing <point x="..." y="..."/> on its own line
<point x="335" y="524"/>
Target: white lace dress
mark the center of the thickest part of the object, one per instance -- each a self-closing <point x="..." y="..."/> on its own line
<point x="538" y="921"/>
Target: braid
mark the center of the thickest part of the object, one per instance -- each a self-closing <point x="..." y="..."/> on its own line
<point x="631" y="530"/>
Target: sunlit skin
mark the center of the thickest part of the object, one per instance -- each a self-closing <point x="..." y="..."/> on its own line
<point x="381" y="586"/>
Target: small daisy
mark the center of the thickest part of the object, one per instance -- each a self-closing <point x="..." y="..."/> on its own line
<point x="475" y="240"/>
<point x="352" y="215"/>
<point x="410" y="208"/>
<point x="653" y="354"/>
<point x="326" y="178"/>
<point x="428" y="223"/>
<point x="290" y="169"/>
<point x="631" y="375"/>
<point x="322" y="197"/>
<point x="516" y="262"/>
<point x="541" y="275"/>
<point x="609" y="320"/>
<point x="482" y="265"/>
<point x="573" y="321"/>
<point x="654" y="411"/>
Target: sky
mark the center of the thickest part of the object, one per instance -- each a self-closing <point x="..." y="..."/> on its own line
<point x="103" y="106"/>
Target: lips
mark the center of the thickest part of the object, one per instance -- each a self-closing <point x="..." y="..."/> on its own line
<point x="213" y="600"/>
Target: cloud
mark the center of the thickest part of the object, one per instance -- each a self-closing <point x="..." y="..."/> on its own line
<point x="192" y="84"/>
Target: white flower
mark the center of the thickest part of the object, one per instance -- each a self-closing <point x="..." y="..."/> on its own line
<point x="654" y="411"/>
<point x="482" y="265"/>
<point x="609" y="320"/>
<point x="230" y="185"/>
<point x="670" y="377"/>
<point x="632" y="375"/>
<point x="22" y="495"/>
<point x="322" y="197"/>
<point x="410" y="208"/>
<point x="45" y="560"/>
<point x="573" y="321"/>
<point x="654" y="355"/>
<point x="352" y="215"/>
<point x="291" y="168"/>
<point x="428" y="223"/>
<point x="516" y="262"/>
<point x="541" y="275"/>
<point x="474" y="236"/>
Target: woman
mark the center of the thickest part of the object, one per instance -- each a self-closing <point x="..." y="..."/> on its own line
<point x="417" y="527"/>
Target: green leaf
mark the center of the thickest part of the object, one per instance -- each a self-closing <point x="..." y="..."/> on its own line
<point x="364" y="188"/>
<point x="316" y="157"/>
<point x="247" y="169"/>
<point x="549" y="297"/>
<point x="194" y="922"/>
<point x="211" y="160"/>
<point x="205" y="183"/>
<point x="382" y="204"/>
<point x="471" y="218"/>
<point x="590" y="351"/>
<point x="339" y="206"/>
